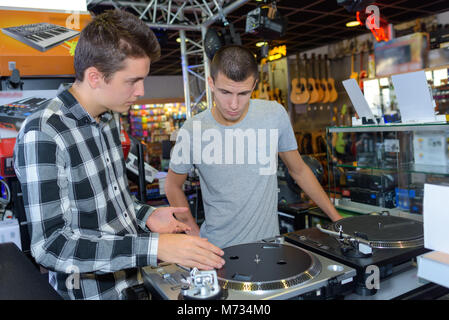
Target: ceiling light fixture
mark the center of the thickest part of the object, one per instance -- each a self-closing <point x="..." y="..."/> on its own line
<point x="178" y="40"/>
<point x="352" y="24"/>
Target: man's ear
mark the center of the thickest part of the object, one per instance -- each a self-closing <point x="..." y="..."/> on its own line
<point x="255" y="84"/>
<point x="93" y="77"/>
<point x="210" y="81"/>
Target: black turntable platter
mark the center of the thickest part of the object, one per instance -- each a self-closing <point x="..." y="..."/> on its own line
<point x="383" y="231"/>
<point x="394" y="239"/>
<point x="266" y="266"/>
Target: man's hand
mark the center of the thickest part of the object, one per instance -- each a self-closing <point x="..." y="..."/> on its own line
<point x="307" y="181"/>
<point x="177" y="198"/>
<point x="186" y="217"/>
<point x="163" y="221"/>
<point x="189" y="251"/>
<point x="336" y="217"/>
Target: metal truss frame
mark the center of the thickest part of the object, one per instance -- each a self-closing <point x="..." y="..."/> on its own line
<point x="184" y="16"/>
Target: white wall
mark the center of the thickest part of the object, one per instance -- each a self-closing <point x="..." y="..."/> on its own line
<point x="443" y="18"/>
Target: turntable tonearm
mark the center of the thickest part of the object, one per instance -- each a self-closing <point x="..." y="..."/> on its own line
<point x="382" y="241"/>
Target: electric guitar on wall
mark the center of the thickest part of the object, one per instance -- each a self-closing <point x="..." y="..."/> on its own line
<point x="310" y="84"/>
<point x="271" y="94"/>
<point x="262" y="87"/>
<point x="255" y="94"/>
<point x="323" y="80"/>
<point x="330" y="82"/>
<point x="363" y="74"/>
<point x="276" y="92"/>
<point x="318" y="87"/>
<point x="354" y="75"/>
<point x="300" y="94"/>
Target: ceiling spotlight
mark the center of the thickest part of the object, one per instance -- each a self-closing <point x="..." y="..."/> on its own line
<point x="354" y="23"/>
<point x="178" y="40"/>
<point x="266" y="22"/>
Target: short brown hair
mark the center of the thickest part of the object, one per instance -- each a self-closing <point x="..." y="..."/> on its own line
<point x="109" y="39"/>
<point x="235" y="62"/>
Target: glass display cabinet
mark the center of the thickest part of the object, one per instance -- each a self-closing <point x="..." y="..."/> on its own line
<point x="384" y="168"/>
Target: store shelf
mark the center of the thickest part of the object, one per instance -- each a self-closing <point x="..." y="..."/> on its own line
<point x="352" y="166"/>
<point x="404" y="281"/>
<point x="446" y="66"/>
<point x="430" y="169"/>
<point x="361" y="208"/>
<point x="434" y="267"/>
<point x="434" y="126"/>
<point x="412" y="168"/>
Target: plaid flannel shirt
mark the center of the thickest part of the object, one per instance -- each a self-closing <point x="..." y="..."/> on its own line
<point x="87" y="229"/>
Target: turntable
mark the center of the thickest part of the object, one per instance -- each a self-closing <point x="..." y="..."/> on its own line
<point x="262" y="270"/>
<point x="383" y="241"/>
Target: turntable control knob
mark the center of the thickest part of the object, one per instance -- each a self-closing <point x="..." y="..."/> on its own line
<point x="185" y="286"/>
<point x="165" y="275"/>
<point x="279" y="239"/>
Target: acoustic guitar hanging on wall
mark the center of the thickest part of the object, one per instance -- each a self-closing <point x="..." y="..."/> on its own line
<point x="300" y="94"/>
<point x="315" y="75"/>
<point x="263" y="88"/>
<point x="311" y="86"/>
<point x="333" y="96"/>
<point x="323" y="81"/>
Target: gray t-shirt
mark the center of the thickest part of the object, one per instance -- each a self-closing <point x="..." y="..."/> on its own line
<point x="237" y="167"/>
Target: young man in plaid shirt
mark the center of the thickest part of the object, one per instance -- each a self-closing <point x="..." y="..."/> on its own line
<point x="70" y="164"/>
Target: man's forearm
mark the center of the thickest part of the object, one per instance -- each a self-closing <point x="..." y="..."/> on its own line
<point x="177" y="198"/>
<point x="310" y="185"/>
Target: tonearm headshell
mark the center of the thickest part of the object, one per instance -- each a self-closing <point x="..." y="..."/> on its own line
<point x="349" y="242"/>
<point x="201" y="285"/>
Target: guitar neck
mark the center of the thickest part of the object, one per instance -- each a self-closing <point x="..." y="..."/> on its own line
<point x="315" y="76"/>
<point x="314" y="66"/>
<point x="316" y="70"/>
<point x="298" y="65"/>
<point x="326" y="72"/>
<point x="320" y="64"/>
<point x="276" y="92"/>
<point x="352" y="63"/>
<point x="306" y="66"/>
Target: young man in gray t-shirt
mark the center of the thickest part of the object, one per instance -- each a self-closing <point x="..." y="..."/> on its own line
<point x="235" y="146"/>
